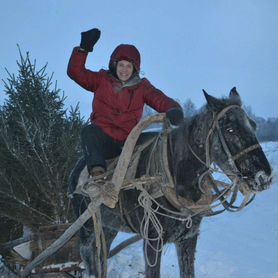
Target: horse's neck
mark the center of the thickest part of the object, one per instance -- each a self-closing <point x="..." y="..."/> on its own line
<point x="190" y="140"/>
<point x="188" y="157"/>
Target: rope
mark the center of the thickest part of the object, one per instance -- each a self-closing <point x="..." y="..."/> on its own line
<point x="150" y="219"/>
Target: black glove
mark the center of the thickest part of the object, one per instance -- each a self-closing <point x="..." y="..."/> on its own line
<point x="89" y="39"/>
<point x="175" y="115"/>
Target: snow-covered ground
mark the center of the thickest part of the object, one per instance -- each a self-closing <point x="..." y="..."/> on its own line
<point x="231" y="245"/>
<point x="234" y="245"/>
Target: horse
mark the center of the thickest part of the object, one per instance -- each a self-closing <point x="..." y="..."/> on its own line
<point x="221" y="133"/>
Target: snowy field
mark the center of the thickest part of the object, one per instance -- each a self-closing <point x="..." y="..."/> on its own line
<point x="231" y="245"/>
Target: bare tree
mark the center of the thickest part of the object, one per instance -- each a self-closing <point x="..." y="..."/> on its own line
<point x="189" y="108"/>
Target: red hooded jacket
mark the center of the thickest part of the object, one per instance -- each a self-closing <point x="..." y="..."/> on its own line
<point x="117" y="108"/>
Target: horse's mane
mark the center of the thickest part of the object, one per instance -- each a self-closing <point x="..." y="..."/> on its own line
<point x="196" y="125"/>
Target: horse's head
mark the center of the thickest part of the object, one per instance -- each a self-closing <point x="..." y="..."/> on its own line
<point x="233" y="145"/>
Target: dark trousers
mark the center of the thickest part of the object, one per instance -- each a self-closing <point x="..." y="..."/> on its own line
<point x="98" y="146"/>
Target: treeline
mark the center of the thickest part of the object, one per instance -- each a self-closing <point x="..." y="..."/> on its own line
<point x="267" y="129"/>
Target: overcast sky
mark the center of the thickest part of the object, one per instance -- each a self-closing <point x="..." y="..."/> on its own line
<point x="186" y="46"/>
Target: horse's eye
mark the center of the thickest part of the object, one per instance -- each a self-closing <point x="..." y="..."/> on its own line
<point x="230" y="130"/>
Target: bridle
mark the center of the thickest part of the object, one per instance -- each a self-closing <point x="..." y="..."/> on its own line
<point x="238" y="183"/>
<point x="231" y="158"/>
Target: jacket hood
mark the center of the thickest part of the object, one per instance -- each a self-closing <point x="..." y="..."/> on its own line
<point x="126" y="52"/>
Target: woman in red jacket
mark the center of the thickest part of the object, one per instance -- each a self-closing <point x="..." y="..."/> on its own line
<point x="119" y="98"/>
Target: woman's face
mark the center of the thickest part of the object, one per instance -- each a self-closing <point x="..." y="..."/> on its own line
<point x="124" y="70"/>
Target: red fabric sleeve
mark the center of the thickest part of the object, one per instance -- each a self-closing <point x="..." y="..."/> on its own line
<point x="157" y="99"/>
<point x="87" y="79"/>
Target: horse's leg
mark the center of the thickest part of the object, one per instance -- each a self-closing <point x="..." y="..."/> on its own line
<point x="109" y="237"/>
<point x="87" y="243"/>
<point x="151" y="256"/>
<point x="186" y="256"/>
<point x="88" y="251"/>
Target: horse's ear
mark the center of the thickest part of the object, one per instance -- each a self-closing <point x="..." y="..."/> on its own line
<point x="214" y="103"/>
<point x="234" y="94"/>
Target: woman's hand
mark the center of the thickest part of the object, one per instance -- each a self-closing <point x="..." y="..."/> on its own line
<point x="89" y="39"/>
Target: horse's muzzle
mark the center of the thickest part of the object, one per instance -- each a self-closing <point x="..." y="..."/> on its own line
<point x="261" y="181"/>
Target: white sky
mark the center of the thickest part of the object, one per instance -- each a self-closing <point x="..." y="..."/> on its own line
<point x="186" y="45"/>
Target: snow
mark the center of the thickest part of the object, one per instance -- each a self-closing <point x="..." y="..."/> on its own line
<point x="237" y="245"/>
<point x="24" y="250"/>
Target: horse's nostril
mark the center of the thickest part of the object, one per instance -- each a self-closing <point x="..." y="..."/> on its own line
<point x="258" y="177"/>
<point x="261" y="179"/>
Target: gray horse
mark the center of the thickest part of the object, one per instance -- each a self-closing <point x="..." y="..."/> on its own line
<point x="221" y="133"/>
